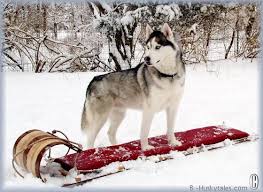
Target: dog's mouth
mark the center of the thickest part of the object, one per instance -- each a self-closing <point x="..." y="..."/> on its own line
<point x="148" y="63"/>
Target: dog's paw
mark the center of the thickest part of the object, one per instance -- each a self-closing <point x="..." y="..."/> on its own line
<point x="113" y="141"/>
<point x="175" y="142"/>
<point x="147" y="147"/>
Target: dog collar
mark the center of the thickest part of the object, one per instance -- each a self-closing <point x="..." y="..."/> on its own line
<point x="166" y="75"/>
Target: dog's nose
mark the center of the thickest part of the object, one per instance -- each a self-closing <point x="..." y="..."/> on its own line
<point x="147" y="59"/>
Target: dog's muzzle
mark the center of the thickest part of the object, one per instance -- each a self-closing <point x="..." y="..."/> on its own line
<point x="147" y="60"/>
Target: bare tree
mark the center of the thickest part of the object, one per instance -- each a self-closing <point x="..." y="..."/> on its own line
<point x="95" y="36"/>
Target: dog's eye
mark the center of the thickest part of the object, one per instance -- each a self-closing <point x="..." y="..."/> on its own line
<point x="158" y="47"/>
<point x="147" y="47"/>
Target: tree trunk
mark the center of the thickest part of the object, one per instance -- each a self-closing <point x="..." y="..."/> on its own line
<point x="230" y="44"/>
<point x="249" y="27"/>
<point x="237" y="36"/>
<point x="44" y="7"/>
<point x="55" y="30"/>
<point x="117" y="64"/>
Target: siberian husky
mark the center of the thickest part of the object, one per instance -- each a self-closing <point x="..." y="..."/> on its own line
<point x="156" y="84"/>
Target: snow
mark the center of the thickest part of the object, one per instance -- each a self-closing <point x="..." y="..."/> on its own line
<point x="193" y="28"/>
<point x="203" y="9"/>
<point x="170" y="11"/>
<point x="106" y="6"/>
<point x="176" y="10"/>
<point x="130" y="16"/>
<point x="127" y="19"/>
<point x="228" y="97"/>
<point x="95" y="10"/>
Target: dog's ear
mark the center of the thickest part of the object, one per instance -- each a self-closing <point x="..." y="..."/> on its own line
<point x="167" y="31"/>
<point x="148" y="31"/>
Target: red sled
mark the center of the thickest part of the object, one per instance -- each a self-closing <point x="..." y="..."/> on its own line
<point x="194" y="140"/>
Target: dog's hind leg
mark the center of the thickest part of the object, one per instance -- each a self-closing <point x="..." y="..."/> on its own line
<point x="95" y="114"/>
<point x="116" y="117"/>
<point x="96" y="126"/>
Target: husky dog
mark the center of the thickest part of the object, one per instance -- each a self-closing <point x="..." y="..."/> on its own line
<point x="156" y="84"/>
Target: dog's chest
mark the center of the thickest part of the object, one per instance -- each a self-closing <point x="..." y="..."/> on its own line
<point x="162" y="97"/>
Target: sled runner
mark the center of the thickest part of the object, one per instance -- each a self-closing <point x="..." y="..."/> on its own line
<point x="92" y="163"/>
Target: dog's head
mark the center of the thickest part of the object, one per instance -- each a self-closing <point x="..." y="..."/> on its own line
<point x="161" y="48"/>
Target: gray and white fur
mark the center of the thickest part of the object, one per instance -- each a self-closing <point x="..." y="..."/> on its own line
<point x="152" y="86"/>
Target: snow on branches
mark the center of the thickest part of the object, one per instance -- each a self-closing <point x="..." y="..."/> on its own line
<point x="170" y="11"/>
<point x="123" y="25"/>
<point x="100" y="36"/>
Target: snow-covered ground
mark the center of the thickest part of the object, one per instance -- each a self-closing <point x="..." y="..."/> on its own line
<point x="230" y="94"/>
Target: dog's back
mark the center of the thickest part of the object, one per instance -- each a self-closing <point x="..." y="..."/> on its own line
<point x="152" y="86"/>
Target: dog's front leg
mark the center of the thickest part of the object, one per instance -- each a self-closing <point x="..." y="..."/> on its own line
<point x="171" y="116"/>
<point x="145" y="128"/>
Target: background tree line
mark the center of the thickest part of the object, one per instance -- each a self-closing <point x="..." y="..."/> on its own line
<point x="99" y="36"/>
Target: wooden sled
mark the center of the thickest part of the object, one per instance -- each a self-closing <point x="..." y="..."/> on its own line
<point x="30" y="147"/>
